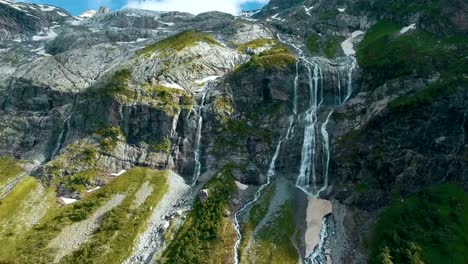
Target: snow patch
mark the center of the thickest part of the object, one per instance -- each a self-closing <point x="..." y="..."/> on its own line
<point x="307" y="10"/>
<point x="93" y="190"/>
<point x="67" y="200"/>
<point x="241" y="186"/>
<point x="172" y="85"/>
<point x="132" y="15"/>
<point x="170" y="24"/>
<point x="88" y="14"/>
<point x="40" y="51"/>
<point x="118" y="173"/>
<point x="209" y="78"/>
<point x="49" y="35"/>
<point x="12" y="5"/>
<point x="408" y="28"/>
<point x="61" y="14"/>
<point x="46" y="8"/>
<point x="341" y="10"/>
<point x="276" y="17"/>
<point x="348" y="44"/>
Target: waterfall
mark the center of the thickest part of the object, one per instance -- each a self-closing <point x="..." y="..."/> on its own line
<point x="61" y="137"/>
<point x="308" y="153"/>
<point x="271" y="172"/>
<point x="296" y="81"/>
<point x="320" y="255"/>
<point x="197" y="170"/>
<point x="351" y="66"/>
<point x="326" y="152"/>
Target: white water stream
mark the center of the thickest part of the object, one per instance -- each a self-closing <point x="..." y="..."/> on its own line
<point x="308" y="179"/>
<point x="198" y="135"/>
<point x="270" y="174"/>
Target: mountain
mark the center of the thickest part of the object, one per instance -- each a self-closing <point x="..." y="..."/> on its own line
<point x="314" y="131"/>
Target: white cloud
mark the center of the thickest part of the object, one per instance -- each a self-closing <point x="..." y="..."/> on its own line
<point x="192" y="6"/>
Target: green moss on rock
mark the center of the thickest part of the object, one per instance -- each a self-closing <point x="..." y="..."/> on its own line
<point x="278" y="57"/>
<point x="8" y="169"/>
<point x="179" y="42"/>
<point x="164" y="146"/>
<point x="429" y="227"/>
<point x="208" y="229"/>
<point x="109" y="137"/>
<point x="257" y="43"/>
<point x="113" y="241"/>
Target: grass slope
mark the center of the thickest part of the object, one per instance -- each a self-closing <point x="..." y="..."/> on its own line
<point x="273" y="242"/>
<point x="385" y="54"/>
<point x="179" y="42"/>
<point x="113" y="241"/>
<point x="430" y="227"/>
<point x="208" y="235"/>
<point x="8" y="170"/>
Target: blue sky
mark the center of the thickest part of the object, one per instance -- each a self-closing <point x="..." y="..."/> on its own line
<point x="76" y="7"/>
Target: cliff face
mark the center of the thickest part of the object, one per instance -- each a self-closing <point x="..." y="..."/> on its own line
<point x="356" y="102"/>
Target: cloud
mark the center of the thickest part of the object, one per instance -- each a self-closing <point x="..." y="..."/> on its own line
<point x="192" y="6"/>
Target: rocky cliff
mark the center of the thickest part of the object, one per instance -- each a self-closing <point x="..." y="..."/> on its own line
<point x="166" y="135"/>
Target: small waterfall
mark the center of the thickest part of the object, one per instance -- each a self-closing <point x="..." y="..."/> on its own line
<point x="198" y="136"/>
<point x="351" y="66"/>
<point x="296" y="81"/>
<point x="326" y="152"/>
<point x="270" y="174"/>
<point x="61" y="138"/>
<point x="320" y="255"/>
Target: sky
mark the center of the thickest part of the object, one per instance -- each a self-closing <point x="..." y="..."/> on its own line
<point x="77" y="7"/>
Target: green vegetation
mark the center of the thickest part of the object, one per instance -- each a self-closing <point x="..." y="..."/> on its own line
<point x="208" y="232"/>
<point x="332" y="46"/>
<point x="385" y="55"/>
<point x="235" y="133"/>
<point x="429" y="227"/>
<point x="164" y="146"/>
<point x="117" y="84"/>
<point x="110" y="137"/>
<point x="179" y="42"/>
<point x="313" y="43"/>
<point x="76" y="157"/>
<point x="256" y="215"/>
<point x="257" y="43"/>
<point x="26" y="202"/>
<point x="8" y="169"/>
<point x="223" y="108"/>
<point x="113" y="241"/>
<point x="169" y="100"/>
<point x="278" y="57"/>
<point x="403" y="8"/>
<point x="327" y="15"/>
<point x="80" y="181"/>
<point x="273" y="241"/>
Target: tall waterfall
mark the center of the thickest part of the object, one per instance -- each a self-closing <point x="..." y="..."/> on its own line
<point x="197" y="170"/>
<point x="270" y="174"/>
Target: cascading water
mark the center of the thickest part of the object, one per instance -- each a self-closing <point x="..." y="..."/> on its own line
<point x="320" y="255"/>
<point x="296" y="81"/>
<point x="326" y="152"/>
<point x="61" y="136"/>
<point x="270" y="174"/>
<point x="197" y="171"/>
<point x="307" y="179"/>
<point x="351" y="66"/>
